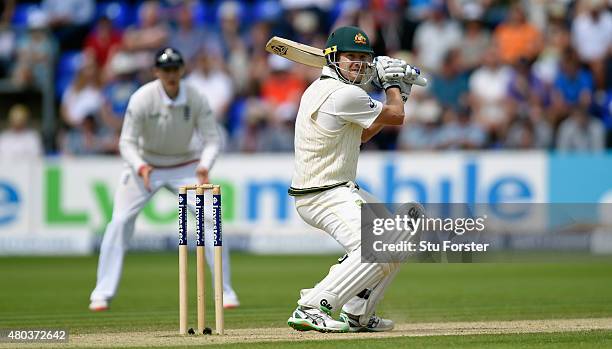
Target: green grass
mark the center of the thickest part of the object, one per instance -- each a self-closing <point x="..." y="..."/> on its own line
<point x="53" y="292"/>
<point x="571" y="340"/>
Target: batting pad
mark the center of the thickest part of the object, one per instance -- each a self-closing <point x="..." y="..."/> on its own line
<point x="365" y="307"/>
<point x="345" y="281"/>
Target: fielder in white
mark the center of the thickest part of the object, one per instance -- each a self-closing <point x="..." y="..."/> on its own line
<point x="335" y="116"/>
<point x="156" y="143"/>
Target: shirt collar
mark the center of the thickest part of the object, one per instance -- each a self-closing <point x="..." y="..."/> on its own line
<point x="180" y="100"/>
<point x="328" y="71"/>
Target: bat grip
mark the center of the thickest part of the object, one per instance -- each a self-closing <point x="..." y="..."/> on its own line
<point x="420" y="81"/>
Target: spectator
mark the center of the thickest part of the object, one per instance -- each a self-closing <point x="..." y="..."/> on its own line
<point x="488" y="88"/>
<point x="607" y="117"/>
<point x="87" y="139"/>
<point x="18" y="141"/>
<point x="249" y="136"/>
<point x="278" y="136"/>
<point x="474" y="42"/>
<point x="235" y="52"/>
<point x="422" y="133"/>
<point x="116" y="94"/>
<point x="8" y="38"/>
<point x="35" y="54"/>
<point x="282" y="86"/>
<point x="581" y="132"/>
<point x="103" y="41"/>
<point x="7" y="10"/>
<point x="521" y="135"/>
<point x="351" y="14"/>
<point x="573" y="86"/>
<point x="257" y="38"/>
<point x="460" y="132"/>
<point x="142" y="40"/>
<point x="211" y="80"/>
<point x="305" y="24"/>
<point x="83" y="97"/>
<point x="69" y="20"/>
<point x="434" y="37"/>
<point x="517" y="38"/>
<point x="529" y="130"/>
<point x="557" y="41"/>
<point x="525" y="87"/>
<point x="450" y="87"/>
<point x="231" y="27"/>
<point x="188" y="38"/>
<point x="592" y="36"/>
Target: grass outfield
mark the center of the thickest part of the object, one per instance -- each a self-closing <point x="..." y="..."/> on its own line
<point x="53" y="292"/>
<point x="590" y="339"/>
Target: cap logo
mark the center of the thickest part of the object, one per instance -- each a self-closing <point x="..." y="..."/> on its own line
<point x="360" y="39"/>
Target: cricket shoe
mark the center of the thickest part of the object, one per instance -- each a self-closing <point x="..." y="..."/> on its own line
<point x="230" y="300"/>
<point x="375" y="324"/>
<point x="309" y="319"/>
<point x="99" y="305"/>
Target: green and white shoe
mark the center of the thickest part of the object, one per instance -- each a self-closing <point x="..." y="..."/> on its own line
<point x="375" y="324"/>
<point x="312" y="319"/>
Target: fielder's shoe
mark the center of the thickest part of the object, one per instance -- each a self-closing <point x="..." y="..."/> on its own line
<point x="230" y="300"/>
<point x="99" y="305"/>
<point x="375" y="324"/>
<point x="308" y="319"/>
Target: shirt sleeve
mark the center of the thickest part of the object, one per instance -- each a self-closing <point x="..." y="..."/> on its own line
<point x="353" y="104"/>
<point x="131" y="132"/>
<point x="207" y="130"/>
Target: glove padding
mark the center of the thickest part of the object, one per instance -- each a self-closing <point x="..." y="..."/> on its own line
<point x="389" y="72"/>
<point x="412" y="73"/>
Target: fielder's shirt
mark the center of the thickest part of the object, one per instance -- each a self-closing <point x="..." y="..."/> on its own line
<point x="158" y="131"/>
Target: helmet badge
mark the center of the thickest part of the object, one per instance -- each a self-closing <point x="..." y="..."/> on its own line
<point x="360" y="39"/>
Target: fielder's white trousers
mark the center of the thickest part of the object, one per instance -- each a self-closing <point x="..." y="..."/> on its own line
<point x="338" y="212"/>
<point x="130" y="198"/>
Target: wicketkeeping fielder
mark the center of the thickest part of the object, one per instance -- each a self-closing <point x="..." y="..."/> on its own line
<point x="156" y="143"/>
<point x="335" y="116"/>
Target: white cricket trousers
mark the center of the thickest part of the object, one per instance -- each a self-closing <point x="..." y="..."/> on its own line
<point x="130" y="197"/>
<point x="338" y="212"/>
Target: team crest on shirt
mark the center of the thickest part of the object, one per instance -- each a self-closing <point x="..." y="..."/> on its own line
<point x="360" y="39"/>
<point x="187" y="113"/>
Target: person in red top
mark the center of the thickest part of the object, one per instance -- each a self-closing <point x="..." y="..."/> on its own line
<point x="283" y="85"/>
<point x="516" y="37"/>
<point x="103" y="41"/>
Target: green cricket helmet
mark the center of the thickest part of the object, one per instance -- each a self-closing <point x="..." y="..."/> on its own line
<point x="349" y="39"/>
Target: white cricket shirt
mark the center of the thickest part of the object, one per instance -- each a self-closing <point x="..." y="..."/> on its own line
<point x="158" y="131"/>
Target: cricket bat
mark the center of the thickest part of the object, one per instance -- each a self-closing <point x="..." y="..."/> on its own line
<point x="308" y="55"/>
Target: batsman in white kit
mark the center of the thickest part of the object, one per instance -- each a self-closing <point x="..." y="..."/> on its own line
<point x="156" y="143"/>
<point x="335" y="116"/>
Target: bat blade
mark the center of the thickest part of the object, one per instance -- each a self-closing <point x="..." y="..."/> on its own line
<point x="308" y="55"/>
<point x="296" y="52"/>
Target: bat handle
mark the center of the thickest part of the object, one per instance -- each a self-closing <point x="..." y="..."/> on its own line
<point x="420" y="81"/>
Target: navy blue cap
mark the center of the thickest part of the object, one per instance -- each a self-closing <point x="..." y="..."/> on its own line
<point x="168" y="57"/>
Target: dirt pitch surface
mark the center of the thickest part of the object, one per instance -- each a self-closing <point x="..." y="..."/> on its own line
<point x="251" y="335"/>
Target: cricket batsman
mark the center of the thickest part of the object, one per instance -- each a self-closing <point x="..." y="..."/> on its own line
<point x="335" y="116"/>
<point x="156" y="143"/>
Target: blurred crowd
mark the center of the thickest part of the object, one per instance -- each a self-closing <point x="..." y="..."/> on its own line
<point x="503" y="74"/>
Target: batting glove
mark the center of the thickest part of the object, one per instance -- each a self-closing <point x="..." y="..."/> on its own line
<point x="405" y="90"/>
<point x="389" y="72"/>
<point x="411" y="74"/>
